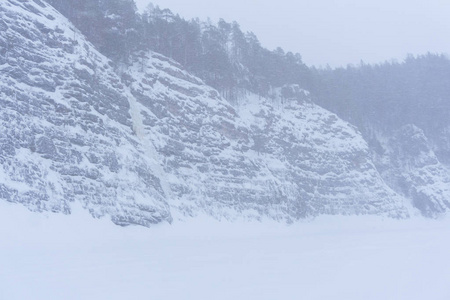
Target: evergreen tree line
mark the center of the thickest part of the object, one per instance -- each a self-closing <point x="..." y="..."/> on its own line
<point x="111" y="25"/>
<point x="225" y="57"/>
<point x="221" y="54"/>
<point x="389" y="95"/>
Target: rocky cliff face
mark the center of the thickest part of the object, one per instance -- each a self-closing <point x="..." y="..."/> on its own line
<point x="410" y="166"/>
<point x="154" y="141"/>
<point x="66" y="131"/>
<point x="285" y="160"/>
<point x="324" y="157"/>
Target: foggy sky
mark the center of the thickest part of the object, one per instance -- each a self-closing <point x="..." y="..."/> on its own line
<point x="334" y="32"/>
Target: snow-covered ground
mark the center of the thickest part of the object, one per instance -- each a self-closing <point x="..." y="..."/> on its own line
<point x="49" y="256"/>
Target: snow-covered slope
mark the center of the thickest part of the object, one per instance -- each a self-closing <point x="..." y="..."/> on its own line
<point x="411" y="167"/>
<point x="157" y="141"/>
<point x="205" y="148"/>
<point x="284" y="162"/>
<point x="324" y="157"/>
<point x="65" y="128"/>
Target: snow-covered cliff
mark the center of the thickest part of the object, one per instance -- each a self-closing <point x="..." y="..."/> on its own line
<point x="284" y="157"/>
<point x="410" y="166"/>
<point x="65" y="128"/>
<point x="146" y="140"/>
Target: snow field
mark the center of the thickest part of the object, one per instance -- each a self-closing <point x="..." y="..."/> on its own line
<point x="52" y="256"/>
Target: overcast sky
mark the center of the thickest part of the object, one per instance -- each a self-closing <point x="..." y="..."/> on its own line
<point x="334" y="32"/>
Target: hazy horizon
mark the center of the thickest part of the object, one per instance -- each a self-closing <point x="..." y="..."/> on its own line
<point x="330" y="32"/>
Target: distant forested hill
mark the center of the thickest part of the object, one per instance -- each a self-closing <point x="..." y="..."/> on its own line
<point x="386" y="96"/>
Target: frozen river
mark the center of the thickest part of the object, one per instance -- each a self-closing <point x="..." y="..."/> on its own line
<point x="77" y="257"/>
